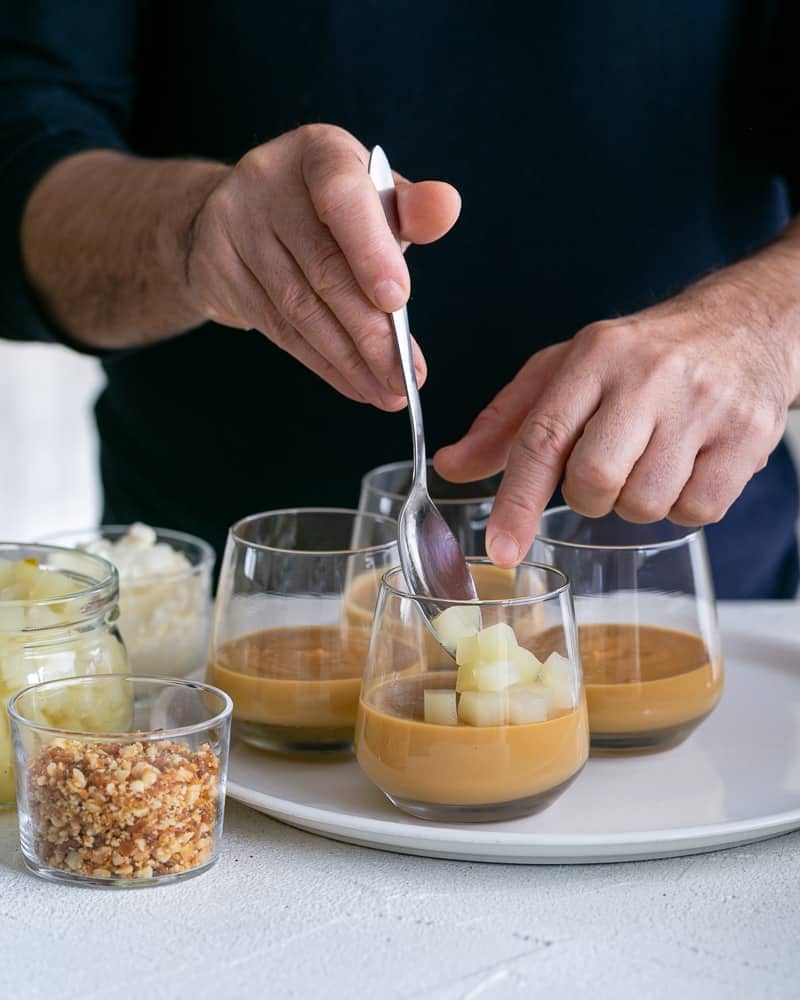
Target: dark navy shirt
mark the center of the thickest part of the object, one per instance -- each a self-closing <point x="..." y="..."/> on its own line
<point x="607" y="153"/>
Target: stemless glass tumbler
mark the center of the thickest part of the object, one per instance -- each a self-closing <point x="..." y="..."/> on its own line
<point x="497" y="735"/>
<point x="292" y="623"/>
<point x="647" y="622"/>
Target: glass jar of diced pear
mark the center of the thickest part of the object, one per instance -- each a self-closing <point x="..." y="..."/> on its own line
<point x="58" y="609"/>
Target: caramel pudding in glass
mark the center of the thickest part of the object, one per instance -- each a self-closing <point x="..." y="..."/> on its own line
<point x="292" y="624"/>
<point x="647" y="625"/>
<point x="500" y="733"/>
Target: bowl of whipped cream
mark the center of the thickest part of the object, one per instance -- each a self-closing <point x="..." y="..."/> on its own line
<point x="164" y="593"/>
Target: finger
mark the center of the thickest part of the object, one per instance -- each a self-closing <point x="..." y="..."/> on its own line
<point x="485" y="447"/>
<point x="658" y="477"/>
<point x="720" y="473"/>
<point x="604" y="455"/>
<point x="536" y="463"/>
<point x="427" y="210"/>
<point x="241" y="302"/>
<point x="334" y="169"/>
<point x="326" y="270"/>
<point x="301" y="308"/>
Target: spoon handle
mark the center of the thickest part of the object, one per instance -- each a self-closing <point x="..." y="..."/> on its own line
<point x="381" y="175"/>
<point x="402" y="335"/>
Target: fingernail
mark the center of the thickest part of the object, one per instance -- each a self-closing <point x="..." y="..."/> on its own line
<point x="503" y="549"/>
<point x="389" y="295"/>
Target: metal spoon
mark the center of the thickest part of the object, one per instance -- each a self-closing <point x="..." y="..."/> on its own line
<point x="430" y="556"/>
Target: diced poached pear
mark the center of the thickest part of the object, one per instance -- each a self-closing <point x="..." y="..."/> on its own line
<point x="526" y="663"/>
<point x="496" y="642"/>
<point x="496" y="676"/>
<point x="466" y="680"/>
<point x="456" y="623"/>
<point x="26" y="572"/>
<point x="12" y="619"/>
<point x="483" y="708"/>
<point x="558" y="675"/>
<point x="468" y="652"/>
<point x="50" y="583"/>
<point x="440" y="708"/>
<point x="527" y="703"/>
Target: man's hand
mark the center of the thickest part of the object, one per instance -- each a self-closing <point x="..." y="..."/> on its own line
<point x="293" y="241"/>
<point x="665" y="413"/>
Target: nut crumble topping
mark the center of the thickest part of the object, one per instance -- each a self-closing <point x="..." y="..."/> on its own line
<point x="123" y="810"/>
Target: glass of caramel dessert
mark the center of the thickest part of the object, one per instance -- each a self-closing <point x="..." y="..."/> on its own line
<point x="497" y="733"/>
<point x="647" y="623"/>
<point x="291" y="627"/>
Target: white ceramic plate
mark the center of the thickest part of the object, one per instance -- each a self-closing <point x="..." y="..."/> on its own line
<point x="736" y="780"/>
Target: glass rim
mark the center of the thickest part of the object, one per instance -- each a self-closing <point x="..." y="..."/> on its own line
<point x="146" y="736"/>
<point x="351" y="512"/>
<point x="407" y="463"/>
<point x="207" y="554"/>
<point x="108" y="583"/>
<point x="505" y="602"/>
<point x="671" y="543"/>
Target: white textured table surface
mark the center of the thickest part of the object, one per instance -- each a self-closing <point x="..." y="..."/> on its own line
<point x="287" y="914"/>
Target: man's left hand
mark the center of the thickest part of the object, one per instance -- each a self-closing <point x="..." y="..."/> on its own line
<point x="664" y="413"/>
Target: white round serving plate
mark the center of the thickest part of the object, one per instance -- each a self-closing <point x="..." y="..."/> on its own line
<point x="735" y="781"/>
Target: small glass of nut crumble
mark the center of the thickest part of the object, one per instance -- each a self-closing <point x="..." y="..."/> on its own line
<point x="138" y="802"/>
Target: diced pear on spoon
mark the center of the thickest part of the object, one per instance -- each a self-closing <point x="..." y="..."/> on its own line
<point x="457" y="622"/>
<point x="483" y="708"/>
<point x="440" y="708"/>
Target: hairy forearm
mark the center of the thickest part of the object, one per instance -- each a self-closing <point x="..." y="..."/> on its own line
<point x="104" y="244"/>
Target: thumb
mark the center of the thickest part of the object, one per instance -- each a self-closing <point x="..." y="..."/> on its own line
<point x="485" y="447"/>
<point x="426" y="210"/>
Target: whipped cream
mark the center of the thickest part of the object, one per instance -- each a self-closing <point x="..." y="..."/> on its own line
<point x="164" y="602"/>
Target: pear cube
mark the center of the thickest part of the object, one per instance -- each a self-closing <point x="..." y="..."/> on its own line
<point x="527" y="703"/>
<point x="496" y="642"/>
<point x="483" y="708"/>
<point x="440" y="708"/>
<point x="51" y="583"/>
<point x="26" y="572"/>
<point x="496" y="676"/>
<point x="456" y="623"/>
<point x="527" y="665"/>
<point x="559" y="677"/>
<point x="468" y="652"/>
<point x="466" y="679"/>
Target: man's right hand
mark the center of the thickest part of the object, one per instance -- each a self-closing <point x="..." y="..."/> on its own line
<point x="292" y="241"/>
